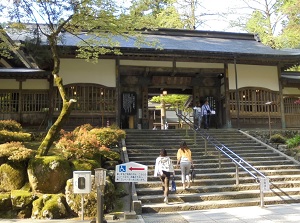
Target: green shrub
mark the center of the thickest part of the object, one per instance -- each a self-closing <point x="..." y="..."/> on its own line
<point x="79" y="144"/>
<point x="277" y="138"/>
<point x="108" y="136"/>
<point x="8" y="136"/>
<point x="86" y="142"/>
<point x="10" y="125"/>
<point x="15" y="151"/>
<point x="293" y="142"/>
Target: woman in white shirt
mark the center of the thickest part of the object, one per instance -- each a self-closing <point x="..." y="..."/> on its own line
<point x="164" y="169"/>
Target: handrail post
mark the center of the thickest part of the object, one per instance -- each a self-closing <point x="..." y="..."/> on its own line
<point x="186" y="131"/>
<point x="195" y="138"/>
<point x="205" y="146"/>
<point x="219" y="159"/>
<point x="262" y="202"/>
<point x="237" y="180"/>
<point x="264" y="186"/>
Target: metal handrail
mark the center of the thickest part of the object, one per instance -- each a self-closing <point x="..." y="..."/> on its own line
<point x="239" y="162"/>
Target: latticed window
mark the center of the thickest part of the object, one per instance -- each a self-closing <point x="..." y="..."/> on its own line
<point x="35" y="102"/>
<point x="253" y="100"/>
<point x="9" y="101"/>
<point x="90" y="98"/>
<point x="290" y="107"/>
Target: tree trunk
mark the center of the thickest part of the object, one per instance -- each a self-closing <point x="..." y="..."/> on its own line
<point x="53" y="132"/>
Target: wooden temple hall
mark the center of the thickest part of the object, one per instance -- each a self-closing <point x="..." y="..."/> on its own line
<point x="245" y="81"/>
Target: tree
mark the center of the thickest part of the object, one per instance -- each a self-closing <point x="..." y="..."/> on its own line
<point x="157" y="14"/>
<point x="96" y="18"/>
<point x="193" y="13"/>
<point x="290" y="35"/>
<point x="262" y="17"/>
<point x="172" y="100"/>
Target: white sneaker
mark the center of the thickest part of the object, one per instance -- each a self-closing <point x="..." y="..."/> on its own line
<point x="166" y="200"/>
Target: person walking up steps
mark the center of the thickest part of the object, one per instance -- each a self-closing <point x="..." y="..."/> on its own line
<point x="184" y="158"/>
<point x="197" y="116"/>
<point x="164" y="169"/>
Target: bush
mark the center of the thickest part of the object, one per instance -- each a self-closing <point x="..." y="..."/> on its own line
<point x="10" y="125"/>
<point x="86" y="142"/>
<point x="108" y="136"/>
<point x="8" y="136"/>
<point x="78" y="144"/>
<point x="293" y="142"/>
<point x="277" y="138"/>
<point x="15" y="151"/>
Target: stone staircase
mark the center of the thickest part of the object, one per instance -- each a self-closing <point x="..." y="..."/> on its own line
<point x="213" y="187"/>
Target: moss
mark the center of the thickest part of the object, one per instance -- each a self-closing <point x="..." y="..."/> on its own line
<point x="21" y="199"/>
<point x="43" y="170"/>
<point x="50" y="206"/>
<point x="12" y="176"/>
<point x="85" y="164"/>
<point x="5" y="202"/>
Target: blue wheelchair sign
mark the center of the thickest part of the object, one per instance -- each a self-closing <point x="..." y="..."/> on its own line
<point x="122" y="168"/>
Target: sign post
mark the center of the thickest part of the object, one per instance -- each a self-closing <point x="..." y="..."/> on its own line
<point x="131" y="172"/>
<point x="82" y="185"/>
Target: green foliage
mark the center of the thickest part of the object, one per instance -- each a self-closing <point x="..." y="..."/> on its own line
<point x="10" y="125"/>
<point x="12" y="176"/>
<point x="84" y="164"/>
<point x="86" y="142"/>
<point x="293" y="142"/>
<point x="50" y="206"/>
<point x="21" y="198"/>
<point x="79" y="144"/>
<point x="260" y="23"/>
<point x="15" y="151"/>
<point x="157" y="14"/>
<point x="277" y="138"/>
<point x="107" y="136"/>
<point x="8" y="136"/>
<point x="174" y="100"/>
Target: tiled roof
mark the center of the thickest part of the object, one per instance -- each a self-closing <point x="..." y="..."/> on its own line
<point x="194" y="41"/>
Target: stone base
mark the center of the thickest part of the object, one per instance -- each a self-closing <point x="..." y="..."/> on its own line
<point x="110" y="217"/>
<point x="130" y="215"/>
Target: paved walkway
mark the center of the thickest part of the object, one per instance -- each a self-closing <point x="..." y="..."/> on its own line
<point x="282" y="213"/>
<point x="269" y="214"/>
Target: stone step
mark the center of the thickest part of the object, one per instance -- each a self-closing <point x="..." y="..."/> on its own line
<point x="202" y="205"/>
<point x="213" y="187"/>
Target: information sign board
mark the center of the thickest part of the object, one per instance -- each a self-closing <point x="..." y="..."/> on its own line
<point x="131" y="172"/>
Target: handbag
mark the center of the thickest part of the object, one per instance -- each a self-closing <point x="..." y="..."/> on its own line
<point x="173" y="185"/>
<point x="193" y="174"/>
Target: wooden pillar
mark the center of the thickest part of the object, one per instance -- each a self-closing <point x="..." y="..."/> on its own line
<point x="283" y="123"/>
<point x="20" y="99"/>
<point x="227" y="99"/>
<point x="118" y="94"/>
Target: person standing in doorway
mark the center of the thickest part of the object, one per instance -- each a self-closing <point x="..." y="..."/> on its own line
<point x="164" y="169"/>
<point x="206" y="114"/>
<point x="184" y="158"/>
<point x="197" y="116"/>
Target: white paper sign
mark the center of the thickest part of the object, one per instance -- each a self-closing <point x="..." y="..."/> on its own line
<point x="131" y="172"/>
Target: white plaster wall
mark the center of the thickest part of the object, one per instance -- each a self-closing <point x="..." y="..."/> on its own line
<point x="35" y="84"/>
<point x="81" y="71"/>
<point x="9" y="84"/>
<point x="254" y="76"/>
<point x="290" y="91"/>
